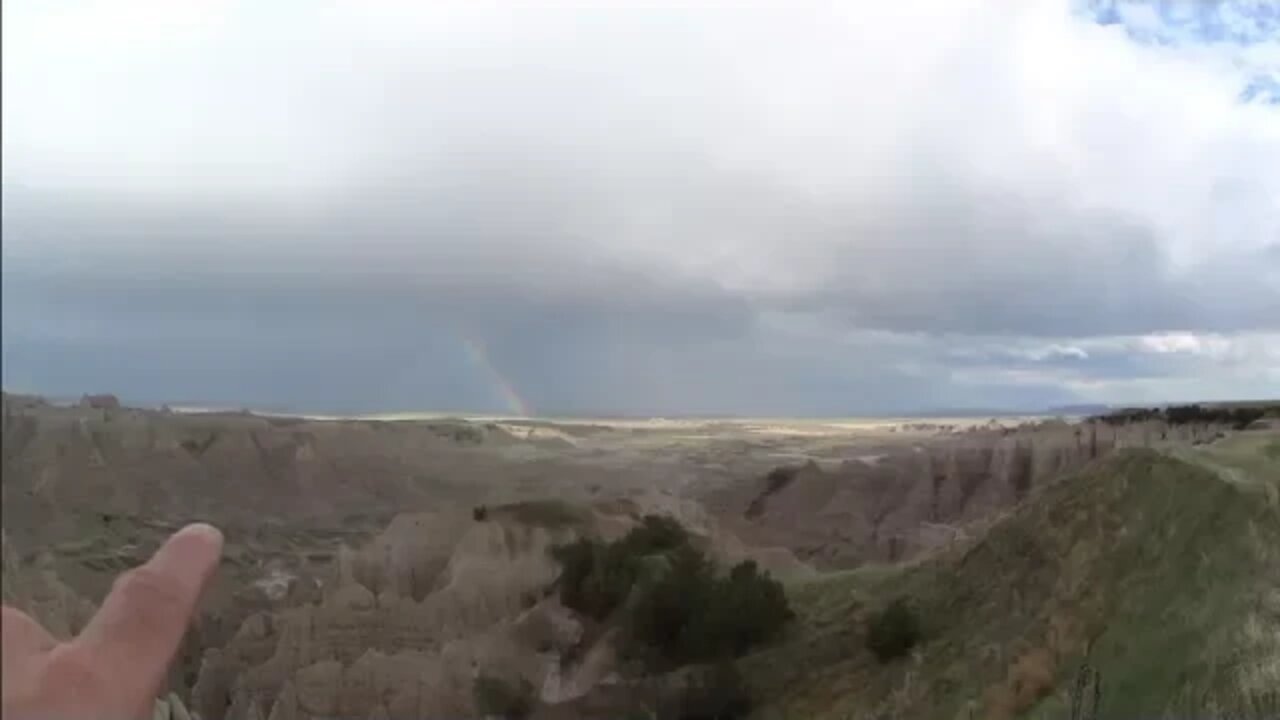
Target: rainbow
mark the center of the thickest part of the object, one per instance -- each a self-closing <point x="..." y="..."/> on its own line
<point x="480" y="357"/>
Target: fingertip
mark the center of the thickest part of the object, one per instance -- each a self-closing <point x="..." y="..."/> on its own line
<point x="189" y="555"/>
<point x="204" y="532"/>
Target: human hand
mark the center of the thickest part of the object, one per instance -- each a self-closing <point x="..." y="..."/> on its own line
<point x="116" y="666"/>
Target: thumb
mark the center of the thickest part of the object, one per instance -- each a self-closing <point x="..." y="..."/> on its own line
<point x="22" y="636"/>
<point x="22" y="640"/>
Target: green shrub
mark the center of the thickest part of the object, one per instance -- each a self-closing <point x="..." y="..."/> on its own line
<point x="691" y="615"/>
<point x="683" y="611"/>
<point x="892" y="632"/>
<point x="479" y="513"/>
<point x="588" y="583"/>
<point x="667" y="624"/>
<point x="597" y="578"/>
<point x="496" y="697"/>
<point x="748" y="608"/>
<point x="655" y="534"/>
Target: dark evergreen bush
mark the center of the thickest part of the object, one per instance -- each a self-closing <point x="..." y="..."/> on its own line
<point x="683" y="610"/>
<point x="892" y="632"/>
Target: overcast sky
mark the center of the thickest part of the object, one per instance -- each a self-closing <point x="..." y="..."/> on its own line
<point x="782" y="209"/>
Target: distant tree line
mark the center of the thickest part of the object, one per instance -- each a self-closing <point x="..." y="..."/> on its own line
<point x="1237" y="417"/>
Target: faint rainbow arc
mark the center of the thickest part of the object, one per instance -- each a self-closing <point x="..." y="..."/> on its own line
<point x="480" y="357"/>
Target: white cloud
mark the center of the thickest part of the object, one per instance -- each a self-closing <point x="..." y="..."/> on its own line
<point x="1056" y="351"/>
<point x="1189" y="343"/>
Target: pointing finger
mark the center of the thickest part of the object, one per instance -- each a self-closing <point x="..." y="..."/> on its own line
<point x="137" y="631"/>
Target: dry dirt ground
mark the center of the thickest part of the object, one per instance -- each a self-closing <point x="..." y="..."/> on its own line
<point x="358" y="580"/>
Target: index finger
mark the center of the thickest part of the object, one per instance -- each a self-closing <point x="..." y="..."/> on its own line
<point x="137" y="631"/>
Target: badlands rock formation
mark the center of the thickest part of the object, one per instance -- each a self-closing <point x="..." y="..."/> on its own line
<point x="895" y="506"/>
<point x="374" y="569"/>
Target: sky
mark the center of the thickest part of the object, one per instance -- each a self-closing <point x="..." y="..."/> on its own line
<point x="783" y="209"/>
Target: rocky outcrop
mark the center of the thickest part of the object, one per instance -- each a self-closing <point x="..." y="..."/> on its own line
<point x="372" y="648"/>
<point x="37" y="590"/>
<point x="915" y="499"/>
<point x="410" y="555"/>
<point x="404" y="623"/>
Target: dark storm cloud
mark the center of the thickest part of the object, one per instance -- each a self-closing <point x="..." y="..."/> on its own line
<point x="233" y="310"/>
<point x="252" y="307"/>
<point x="1000" y="265"/>
<point x="951" y="261"/>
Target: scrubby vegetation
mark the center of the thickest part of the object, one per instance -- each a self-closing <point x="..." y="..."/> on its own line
<point x="674" y="605"/>
<point x="777" y="479"/>
<point x="892" y="632"/>
<point x="550" y="514"/>
<point x="460" y="431"/>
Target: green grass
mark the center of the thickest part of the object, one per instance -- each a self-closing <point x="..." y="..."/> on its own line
<point x="1249" y="459"/>
<point x="1147" y="565"/>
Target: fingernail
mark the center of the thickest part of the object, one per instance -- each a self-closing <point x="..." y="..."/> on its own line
<point x="205" y="531"/>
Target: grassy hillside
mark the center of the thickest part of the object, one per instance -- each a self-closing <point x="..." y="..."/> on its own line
<point x="1161" y="572"/>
